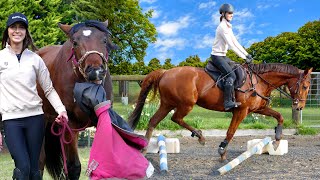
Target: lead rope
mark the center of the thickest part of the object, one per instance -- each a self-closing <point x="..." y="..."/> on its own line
<point x="62" y="130"/>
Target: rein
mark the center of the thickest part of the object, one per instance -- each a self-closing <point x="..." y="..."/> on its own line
<point x="295" y="100"/>
<point x="63" y="129"/>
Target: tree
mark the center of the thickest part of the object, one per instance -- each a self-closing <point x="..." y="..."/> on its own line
<point x="139" y="68"/>
<point x="43" y="16"/>
<point x="309" y="49"/>
<point x="131" y="29"/>
<point x="192" y="61"/>
<point x="167" y="64"/>
<point x="154" y="64"/>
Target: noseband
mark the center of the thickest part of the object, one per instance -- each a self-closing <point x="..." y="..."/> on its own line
<point x="77" y="63"/>
<point x="297" y="91"/>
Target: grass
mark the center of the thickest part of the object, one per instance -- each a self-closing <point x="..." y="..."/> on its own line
<point x="206" y="119"/>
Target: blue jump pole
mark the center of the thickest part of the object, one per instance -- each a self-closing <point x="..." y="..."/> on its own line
<point x="163" y="154"/>
<point x="244" y="156"/>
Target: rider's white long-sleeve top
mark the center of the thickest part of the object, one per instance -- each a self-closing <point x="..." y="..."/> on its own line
<point x="225" y="39"/>
<point x="18" y="81"/>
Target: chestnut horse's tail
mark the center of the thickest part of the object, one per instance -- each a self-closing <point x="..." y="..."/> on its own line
<point x="54" y="162"/>
<point x="152" y="79"/>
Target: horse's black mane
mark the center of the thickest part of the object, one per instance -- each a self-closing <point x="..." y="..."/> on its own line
<point x="274" y="67"/>
<point x="90" y="23"/>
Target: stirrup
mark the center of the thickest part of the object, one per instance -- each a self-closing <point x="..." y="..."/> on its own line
<point x="234" y="105"/>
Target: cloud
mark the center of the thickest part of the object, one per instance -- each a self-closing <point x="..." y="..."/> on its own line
<point x="209" y="4"/>
<point x="204" y="42"/>
<point x="147" y="1"/>
<point x="171" y="28"/>
<point x="168" y="43"/>
<point x="291" y="10"/>
<point x="251" y="41"/>
<point x="243" y="15"/>
<point x="156" y="13"/>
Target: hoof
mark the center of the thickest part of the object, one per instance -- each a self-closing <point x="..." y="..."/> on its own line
<point x="144" y="151"/>
<point x="202" y="141"/>
<point x="223" y="160"/>
<point x="275" y="144"/>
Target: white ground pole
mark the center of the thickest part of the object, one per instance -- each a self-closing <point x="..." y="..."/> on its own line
<point x="244" y="156"/>
<point x="163" y="154"/>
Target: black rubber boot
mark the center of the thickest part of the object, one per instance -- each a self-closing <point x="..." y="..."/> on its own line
<point x="228" y="97"/>
<point x="18" y="175"/>
<point x="36" y="176"/>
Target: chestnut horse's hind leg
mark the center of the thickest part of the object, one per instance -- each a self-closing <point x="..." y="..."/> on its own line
<point x="238" y="116"/>
<point x="154" y="121"/>
<point x="178" y="116"/>
<point x="278" y="130"/>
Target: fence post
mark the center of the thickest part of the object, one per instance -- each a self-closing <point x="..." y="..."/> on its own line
<point x="296" y="116"/>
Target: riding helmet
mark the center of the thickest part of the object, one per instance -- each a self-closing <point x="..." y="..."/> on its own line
<point x="226" y="8"/>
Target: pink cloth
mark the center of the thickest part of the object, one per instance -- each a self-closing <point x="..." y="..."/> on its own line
<point x="116" y="159"/>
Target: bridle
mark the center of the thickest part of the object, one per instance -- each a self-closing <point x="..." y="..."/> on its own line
<point x="295" y="100"/>
<point x="297" y="90"/>
<point x="77" y="63"/>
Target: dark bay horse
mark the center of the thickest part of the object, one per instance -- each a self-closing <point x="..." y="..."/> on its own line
<point x="182" y="87"/>
<point x="83" y="57"/>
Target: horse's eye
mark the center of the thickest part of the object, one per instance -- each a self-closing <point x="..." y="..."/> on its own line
<point x="304" y="87"/>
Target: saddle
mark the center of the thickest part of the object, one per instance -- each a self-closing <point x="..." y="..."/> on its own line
<point x="217" y="76"/>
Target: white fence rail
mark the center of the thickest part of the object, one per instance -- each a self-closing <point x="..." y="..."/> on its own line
<point x="310" y="116"/>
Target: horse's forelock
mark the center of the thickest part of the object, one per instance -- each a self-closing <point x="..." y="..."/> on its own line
<point x="90" y="23"/>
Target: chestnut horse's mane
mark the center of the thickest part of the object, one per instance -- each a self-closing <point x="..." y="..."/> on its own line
<point x="90" y="23"/>
<point x="274" y="67"/>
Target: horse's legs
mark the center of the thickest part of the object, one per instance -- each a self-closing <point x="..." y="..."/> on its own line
<point x="238" y="116"/>
<point x="154" y="121"/>
<point x="178" y="116"/>
<point x="73" y="162"/>
<point x="270" y="112"/>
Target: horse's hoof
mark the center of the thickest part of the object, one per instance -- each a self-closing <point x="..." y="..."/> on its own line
<point x="275" y="144"/>
<point x="202" y="141"/>
<point x="144" y="151"/>
<point x="223" y="160"/>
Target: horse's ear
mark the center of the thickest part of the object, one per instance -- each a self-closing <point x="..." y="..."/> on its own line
<point x="65" y="28"/>
<point x="106" y="23"/>
<point x="308" y="71"/>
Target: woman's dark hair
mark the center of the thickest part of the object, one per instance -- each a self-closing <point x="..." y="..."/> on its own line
<point x="27" y="42"/>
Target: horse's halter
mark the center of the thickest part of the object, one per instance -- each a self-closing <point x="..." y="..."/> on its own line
<point x="77" y="63"/>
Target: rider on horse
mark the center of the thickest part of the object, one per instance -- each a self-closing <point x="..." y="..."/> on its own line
<point x="225" y="39"/>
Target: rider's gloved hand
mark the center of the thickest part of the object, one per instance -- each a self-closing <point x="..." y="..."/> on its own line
<point x="249" y="59"/>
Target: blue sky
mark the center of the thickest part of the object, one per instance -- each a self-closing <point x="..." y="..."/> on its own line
<point x="187" y="27"/>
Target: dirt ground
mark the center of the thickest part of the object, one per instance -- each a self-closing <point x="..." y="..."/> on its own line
<point x="200" y="162"/>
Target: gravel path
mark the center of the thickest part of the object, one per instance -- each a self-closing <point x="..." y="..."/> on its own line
<point x="199" y="162"/>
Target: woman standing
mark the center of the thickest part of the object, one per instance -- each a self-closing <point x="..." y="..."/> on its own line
<point x="20" y="104"/>
<point x="223" y="41"/>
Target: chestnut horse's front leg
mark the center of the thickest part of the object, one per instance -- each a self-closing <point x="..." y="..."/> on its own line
<point x="270" y="112"/>
<point x="238" y="116"/>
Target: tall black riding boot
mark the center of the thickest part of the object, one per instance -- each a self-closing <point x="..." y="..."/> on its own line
<point x="18" y="175"/>
<point x="228" y="97"/>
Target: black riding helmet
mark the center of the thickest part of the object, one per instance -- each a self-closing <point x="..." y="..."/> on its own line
<point x="226" y="8"/>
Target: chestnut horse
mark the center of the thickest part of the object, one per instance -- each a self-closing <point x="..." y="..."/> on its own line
<point x="181" y="88"/>
<point x="83" y="57"/>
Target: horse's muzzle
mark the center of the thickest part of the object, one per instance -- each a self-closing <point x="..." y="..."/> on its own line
<point x="96" y="74"/>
